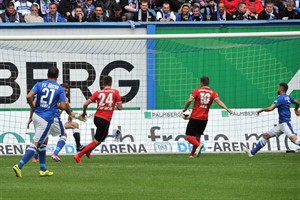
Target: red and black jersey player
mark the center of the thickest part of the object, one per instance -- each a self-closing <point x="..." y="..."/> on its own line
<point x="107" y="99"/>
<point x="203" y="98"/>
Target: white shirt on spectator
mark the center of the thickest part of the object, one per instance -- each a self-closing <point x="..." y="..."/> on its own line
<point x="170" y="15"/>
<point x="23" y="7"/>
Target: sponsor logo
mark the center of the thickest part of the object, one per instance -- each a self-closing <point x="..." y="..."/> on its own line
<point x="69" y="69"/>
<point x="224" y="113"/>
<point x="184" y="147"/>
<point x="159" y="114"/>
<point x="120" y="148"/>
<point x="14" y="143"/>
<point x="162" y="147"/>
<point x="17" y="137"/>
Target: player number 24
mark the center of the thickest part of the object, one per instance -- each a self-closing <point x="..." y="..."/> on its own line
<point x="105" y="99"/>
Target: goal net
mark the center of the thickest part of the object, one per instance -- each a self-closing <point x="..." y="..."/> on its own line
<point x="155" y="77"/>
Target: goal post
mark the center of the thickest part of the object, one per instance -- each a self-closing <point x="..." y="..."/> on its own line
<point x="155" y="75"/>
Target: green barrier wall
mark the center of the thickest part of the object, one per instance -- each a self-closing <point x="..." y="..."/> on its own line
<point x="244" y="71"/>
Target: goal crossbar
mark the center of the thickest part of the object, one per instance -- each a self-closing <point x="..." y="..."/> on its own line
<point x="141" y="37"/>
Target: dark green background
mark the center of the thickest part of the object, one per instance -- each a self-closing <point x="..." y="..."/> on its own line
<point x="244" y="71"/>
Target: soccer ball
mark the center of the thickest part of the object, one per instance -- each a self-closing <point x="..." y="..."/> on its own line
<point x="186" y="115"/>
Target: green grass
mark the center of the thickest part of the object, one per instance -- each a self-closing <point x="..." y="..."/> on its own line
<point x="212" y="176"/>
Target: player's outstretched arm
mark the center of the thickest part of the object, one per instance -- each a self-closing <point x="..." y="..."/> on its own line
<point x="297" y="105"/>
<point x="79" y="116"/>
<point x="267" y="109"/>
<point x="119" y="105"/>
<point x="221" y="104"/>
<point x="66" y="106"/>
<point x="29" y="98"/>
<point x="30" y="117"/>
<point x="188" y="103"/>
<point x="85" y="106"/>
<point x="31" y="113"/>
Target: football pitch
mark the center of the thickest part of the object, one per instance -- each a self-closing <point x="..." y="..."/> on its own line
<point x="164" y="176"/>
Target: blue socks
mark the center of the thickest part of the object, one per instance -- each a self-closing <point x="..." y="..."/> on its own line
<point x="60" y="144"/>
<point x="36" y="154"/>
<point x="42" y="155"/>
<point x="27" y="156"/>
<point x="261" y="143"/>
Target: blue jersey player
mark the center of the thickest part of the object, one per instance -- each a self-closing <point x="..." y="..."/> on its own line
<point x="282" y="103"/>
<point x="58" y="129"/>
<point x="48" y="94"/>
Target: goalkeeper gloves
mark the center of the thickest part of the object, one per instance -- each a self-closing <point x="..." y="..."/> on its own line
<point x="80" y="117"/>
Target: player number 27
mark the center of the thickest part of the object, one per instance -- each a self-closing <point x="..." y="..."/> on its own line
<point x="204" y="98"/>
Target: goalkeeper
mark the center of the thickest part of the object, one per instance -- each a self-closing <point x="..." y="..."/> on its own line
<point x="71" y="124"/>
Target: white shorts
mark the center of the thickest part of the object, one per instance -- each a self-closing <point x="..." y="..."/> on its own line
<point x="41" y="127"/>
<point x="57" y="128"/>
<point x="286" y="128"/>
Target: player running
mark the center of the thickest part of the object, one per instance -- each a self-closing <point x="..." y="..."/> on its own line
<point x="283" y="104"/>
<point x="106" y="99"/>
<point x="203" y="98"/>
<point x="58" y="127"/>
<point x="48" y="95"/>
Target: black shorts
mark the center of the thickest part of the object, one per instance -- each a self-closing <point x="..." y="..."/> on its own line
<point x="102" y="128"/>
<point x="195" y="127"/>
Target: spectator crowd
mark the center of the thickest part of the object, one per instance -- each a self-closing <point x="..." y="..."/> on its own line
<point x="55" y="11"/>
